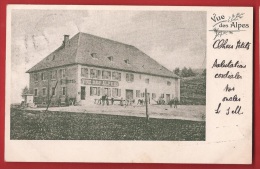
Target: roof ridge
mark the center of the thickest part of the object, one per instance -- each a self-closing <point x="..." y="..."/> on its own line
<point x="96" y="36"/>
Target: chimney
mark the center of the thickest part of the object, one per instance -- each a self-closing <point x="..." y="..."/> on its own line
<point x="66" y="40"/>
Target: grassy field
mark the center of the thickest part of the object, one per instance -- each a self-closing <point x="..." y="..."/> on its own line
<point x="193" y="90"/>
<point x="36" y="125"/>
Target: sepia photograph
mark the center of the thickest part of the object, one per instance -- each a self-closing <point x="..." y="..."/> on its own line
<point x="108" y="75"/>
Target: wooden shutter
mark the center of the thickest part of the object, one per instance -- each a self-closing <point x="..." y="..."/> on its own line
<point x="119" y="92"/>
<point x="102" y="91"/>
<point x="109" y="92"/>
<point x="114" y="92"/>
<point x="91" y="91"/>
<point x="127" y="77"/>
<point x="98" y="91"/>
<point x="98" y="74"/>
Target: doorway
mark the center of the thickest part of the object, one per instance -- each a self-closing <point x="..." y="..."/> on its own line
<point x="83" y="93"/>
<point x="129" y="95"/>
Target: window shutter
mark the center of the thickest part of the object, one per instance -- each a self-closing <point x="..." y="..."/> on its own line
<point x="91" y="91"/>
<point x="61" y="91"/>
<point x="98" y="91"/>
<point x="119" y="92"/>
<point x="98" y="74"/>
<point x="127" y="77"/>
<point x="102" y="91"/>
<point x="113" y="92"/>
<point x="109" y="92"/>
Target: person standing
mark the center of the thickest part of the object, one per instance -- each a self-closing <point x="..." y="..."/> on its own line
<point x="175" y="102"/>
<point x="112" y="101"/>
<point x="107" y="100"/>
<point x="103" y="100"/>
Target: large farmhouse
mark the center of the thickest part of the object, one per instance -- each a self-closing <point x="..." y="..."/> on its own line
<point x="86" y="67"/>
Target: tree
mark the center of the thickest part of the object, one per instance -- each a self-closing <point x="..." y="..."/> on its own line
<point x="204" y="72"/>
<point x="177" y="71"/>
<point x="25" y="91"/>
<point x="184" y="72"/>
<point x="190" y="72"/>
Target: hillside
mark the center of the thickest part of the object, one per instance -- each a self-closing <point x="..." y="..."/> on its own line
<point x="193" y="90"/>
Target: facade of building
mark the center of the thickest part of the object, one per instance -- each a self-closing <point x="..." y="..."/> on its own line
<point x="86" y="67"/>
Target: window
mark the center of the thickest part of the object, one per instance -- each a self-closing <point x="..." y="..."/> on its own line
<point x="110" y="58"/>
<point x="44" y="91"/>
<point x="147" y="81"/>
<point x="54" y="74"/>
<point x="94" y="55"/>
<point x="116" y="92"/>
<point x="107" y="91"/>
<point x="84" y="72"/>
<point x="162" y="95"/>
<point x="127" y="61"/>
<point x="94" y="91"/>
<point x="142" y="94"/>
<point x="43" y="76"/>
<point x="53" y="92"/>
<point x="138" y="93"/>
<point x="106" y="74"/>
<point x="168" y="83"/>
<point x="53" y="58"/>
<point x="129" y="77"/>
<point x="153" y="95"/>
<point x="35" y="92"/>
<point x="116" y="76"/>
<point x="94" y="73"/>
<point x="63" y="91"/>
<point x="63" y="73"/>
<point x="35" y="77"/>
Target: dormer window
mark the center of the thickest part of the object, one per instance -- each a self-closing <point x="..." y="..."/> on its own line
<point x="111" y="58"/>
<point x="94" y="55"/>
<point x="127" y="61"/>
<point x="53" y="57"/>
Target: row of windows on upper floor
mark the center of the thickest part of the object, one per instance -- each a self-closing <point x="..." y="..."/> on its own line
<point x="94" y="74"/>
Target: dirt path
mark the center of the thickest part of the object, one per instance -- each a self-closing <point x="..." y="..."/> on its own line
<point x="185" y="112"/>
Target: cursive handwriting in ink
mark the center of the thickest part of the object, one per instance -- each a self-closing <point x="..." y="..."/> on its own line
<point x="217" y="111"/>
<point x="236" y="111"/>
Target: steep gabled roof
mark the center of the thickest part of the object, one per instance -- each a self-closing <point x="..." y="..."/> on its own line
<point x="82" y="46"/>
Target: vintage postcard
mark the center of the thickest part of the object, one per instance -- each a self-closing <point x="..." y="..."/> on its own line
<point x="129" y="84"/>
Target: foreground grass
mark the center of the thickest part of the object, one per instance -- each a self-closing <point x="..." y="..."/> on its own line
<point x="32" y="125"/>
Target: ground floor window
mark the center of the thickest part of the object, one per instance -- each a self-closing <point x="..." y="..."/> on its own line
<point x="44" y="91"/>
<point x="162" y="95"/>
<point x="53" y="92"/>
<point x="107" y="91"/>
<point x="116" y="92"/>
<point x="94" y="91"/>
<point x="142" y="94"/>
<point x="138" y="93"/>
<point x="63" y="91"/>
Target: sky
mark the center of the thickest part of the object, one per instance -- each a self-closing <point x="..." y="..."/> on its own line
<point x="173" y="38"/>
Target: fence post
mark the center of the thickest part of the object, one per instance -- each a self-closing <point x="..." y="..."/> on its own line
<point x="146" y="106"/>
